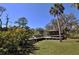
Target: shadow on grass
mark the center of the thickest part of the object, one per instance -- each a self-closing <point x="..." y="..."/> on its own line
<point x="77" y="41"/>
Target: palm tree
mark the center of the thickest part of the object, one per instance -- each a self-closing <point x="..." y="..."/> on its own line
<point x="2" y="9"/>
<point x="57" y="10"/>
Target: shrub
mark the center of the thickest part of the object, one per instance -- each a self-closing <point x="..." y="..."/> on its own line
<point x="16" y="41"/>
<point x="73" y="35"/>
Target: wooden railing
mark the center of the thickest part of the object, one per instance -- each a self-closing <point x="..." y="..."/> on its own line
<point x="48" y="37"/>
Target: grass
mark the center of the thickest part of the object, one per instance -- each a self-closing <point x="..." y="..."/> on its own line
<point x="54" y="47"/>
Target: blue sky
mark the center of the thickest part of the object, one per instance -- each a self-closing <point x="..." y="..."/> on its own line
<point x="37" y="14"/>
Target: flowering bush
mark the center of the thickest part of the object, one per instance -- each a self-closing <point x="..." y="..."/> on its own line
<point x="16" y="41"/>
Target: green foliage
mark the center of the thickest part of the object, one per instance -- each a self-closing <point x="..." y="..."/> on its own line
<point x="16" y="41"/>
<point x="73" y="34"/>
<point x="57" y="9"/>
<point x="40" y="31"/>
<point x="22" y="22"/>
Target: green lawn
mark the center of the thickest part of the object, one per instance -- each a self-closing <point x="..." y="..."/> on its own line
<point x="54" y="47"/>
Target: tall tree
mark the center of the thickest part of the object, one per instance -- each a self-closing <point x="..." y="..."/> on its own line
<point x="7" y="21"/>
<point x="68" y="24"/>
<point x="22" y="22"/>
<point x="2" y="9"/>
<point x="68" y="20"/>
<point x="57" y="10"/>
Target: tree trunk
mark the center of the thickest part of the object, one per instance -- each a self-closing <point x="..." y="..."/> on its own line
<point x="59" y="29"/>
<point x="0" y="23"/>
<point x="6" y="25"/>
